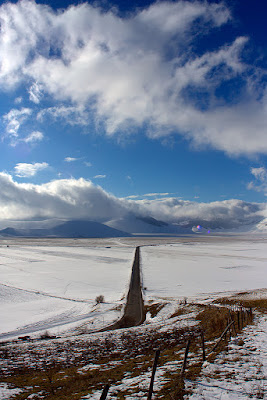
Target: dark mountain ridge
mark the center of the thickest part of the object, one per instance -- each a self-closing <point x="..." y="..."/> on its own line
<point x="68" y="229"/>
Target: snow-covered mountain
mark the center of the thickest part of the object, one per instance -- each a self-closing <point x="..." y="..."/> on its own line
<point x="146" y="225"/>
<point x="262" y="225"/>
<point x="66" y="229"/>
<point x="128" y="225"/>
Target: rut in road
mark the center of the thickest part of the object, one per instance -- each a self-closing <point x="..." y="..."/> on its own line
<point x="134" y="312"/>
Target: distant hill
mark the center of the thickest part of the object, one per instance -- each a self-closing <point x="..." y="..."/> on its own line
<point x="147" y="225"/>
<point x="67" y="229"/>
<point x="128" y="225"/>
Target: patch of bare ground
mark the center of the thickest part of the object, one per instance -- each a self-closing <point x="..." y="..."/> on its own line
<point x="77" y="367"/>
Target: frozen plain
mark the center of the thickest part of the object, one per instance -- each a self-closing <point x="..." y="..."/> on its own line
<point x="51" y="284"/>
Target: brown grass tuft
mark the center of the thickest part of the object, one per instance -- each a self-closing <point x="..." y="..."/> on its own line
<point x="154" y="309"/>
<point x="259" y="304"/>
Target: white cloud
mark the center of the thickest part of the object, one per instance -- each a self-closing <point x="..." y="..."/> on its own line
<point x="137" y="70"/>
<point x="65" y="198"/>
<point x="87" y="164"/>
<point x="35" y="93"/>
<point x="259" y="173"/>
<point x="71" y="198"/>
<point x="260" y="182"/>
<point x="18" y="100"/>
<point x="75" y="115"/>
<point x="13" y="120"/>
<point x="34" y="137"/>
<point x="225" y="214"/>
<point x="24" y="170"/>
<point x="100" y="176"/>
<point x="132" y="196"/>
<point x="156" y="194"/>
<point x="71" y="159"/>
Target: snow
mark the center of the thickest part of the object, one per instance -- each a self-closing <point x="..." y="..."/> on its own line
<point x="196" y="269"/>
<point x="6" y="392"/>
<point x="53" y="287"/>
<point x="44" y="286"/>
<point x="72" y="273"/>
<point x="240" y="373"/>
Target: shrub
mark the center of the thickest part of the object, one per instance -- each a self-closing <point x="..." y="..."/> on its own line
<point x="99" y="299"/>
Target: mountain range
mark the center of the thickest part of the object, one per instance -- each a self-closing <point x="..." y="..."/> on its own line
<point x="123" y="227"/>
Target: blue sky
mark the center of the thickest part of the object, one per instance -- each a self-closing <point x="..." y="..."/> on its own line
<point x="165" y="98"/>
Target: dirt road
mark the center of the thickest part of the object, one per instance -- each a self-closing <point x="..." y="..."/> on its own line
<point x="134" y="312"/>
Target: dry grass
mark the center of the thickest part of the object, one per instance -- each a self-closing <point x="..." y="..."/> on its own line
<point x="259" y="304"/>
<point x="130" y="355"/>
<point x="213" y="321"/>
<point x="154" y="308"/>
<point x="64" y="380"/>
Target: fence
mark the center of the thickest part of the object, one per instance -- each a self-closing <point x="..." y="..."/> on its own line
<point x="236" y="321"/>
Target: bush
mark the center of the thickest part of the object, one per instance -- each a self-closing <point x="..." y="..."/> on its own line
<point x="100" y="299"/>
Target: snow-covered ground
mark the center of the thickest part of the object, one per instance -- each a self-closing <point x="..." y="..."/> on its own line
<point x="192" y="269"/>
<point x="46" y="287"/>
<point x="6" y="392"/>
<point x="51" y="287"/>
<point x="241" y="372"/>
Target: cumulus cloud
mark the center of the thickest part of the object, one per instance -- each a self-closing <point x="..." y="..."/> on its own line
<point x="136" y="71"/>
<point x="227" y="213"/>
<point x="80" y="198"/>
<point x="65" y="198"/>
<point x="24" y="170"/>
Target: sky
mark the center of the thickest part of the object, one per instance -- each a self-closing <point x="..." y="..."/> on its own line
<point x="142" y="103"/>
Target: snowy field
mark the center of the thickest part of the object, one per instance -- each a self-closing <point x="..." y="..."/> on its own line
<point x="44" y="287"/>
<point x="52" y="285"/>
<point x="248" y="363"/>
<point x="192" y="269"/>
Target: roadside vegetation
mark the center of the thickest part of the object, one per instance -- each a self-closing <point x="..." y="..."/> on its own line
<point x="60" y="369"/>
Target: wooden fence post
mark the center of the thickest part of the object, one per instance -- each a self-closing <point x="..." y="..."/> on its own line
<point x="232" y="319"/>
<point x="250" y="314"/>
<point x="104" y="393"/>
<point x="155" y="364"/>
<point x="203" y="346"/>
<point x="222" y="335"/>
<point x="238" y="320"/>
<point x="185" y="358"/>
